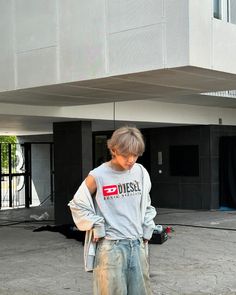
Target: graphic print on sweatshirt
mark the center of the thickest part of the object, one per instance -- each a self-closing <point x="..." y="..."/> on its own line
<point x="120" y="190"/>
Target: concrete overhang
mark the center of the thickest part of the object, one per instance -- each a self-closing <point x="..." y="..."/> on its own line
<point x="33" y="110"/>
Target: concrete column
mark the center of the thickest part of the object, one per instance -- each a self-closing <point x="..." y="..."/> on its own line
<point x="72" y="162"/>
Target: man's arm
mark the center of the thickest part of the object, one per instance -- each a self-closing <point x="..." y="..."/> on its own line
<point x="92" y="187"/>
<point x="83" y="211"/>
<point x="91" y="184"/>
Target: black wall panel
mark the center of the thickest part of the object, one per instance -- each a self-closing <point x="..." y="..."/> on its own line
<point x="72" y="162"/>
<point x="187" y="192"/>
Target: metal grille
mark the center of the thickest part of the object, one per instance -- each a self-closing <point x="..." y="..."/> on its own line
<point x="13" y="174"/>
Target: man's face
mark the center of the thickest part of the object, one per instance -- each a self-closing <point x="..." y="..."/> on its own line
<point x="125" y="162"/>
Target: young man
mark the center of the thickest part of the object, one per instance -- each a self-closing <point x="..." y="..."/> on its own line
<point x="113" y="206"/>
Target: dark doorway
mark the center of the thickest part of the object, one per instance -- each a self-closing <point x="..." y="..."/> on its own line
<point x="227" y="156"/>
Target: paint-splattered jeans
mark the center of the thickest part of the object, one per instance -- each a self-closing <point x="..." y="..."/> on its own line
<point x="121" y="268"/>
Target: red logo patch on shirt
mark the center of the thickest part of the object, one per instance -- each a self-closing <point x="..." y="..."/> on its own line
<point x="109" y="190"/>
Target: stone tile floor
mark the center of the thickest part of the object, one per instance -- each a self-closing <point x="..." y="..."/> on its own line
<point x="199" y="256"/>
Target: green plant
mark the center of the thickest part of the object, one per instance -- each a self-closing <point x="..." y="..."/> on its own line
<point x="4" y="141"/>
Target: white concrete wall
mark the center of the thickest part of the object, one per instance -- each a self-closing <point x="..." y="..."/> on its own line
<point x="135" y="35"/>
<point x="81" y="39"/>
<point x="224" y="46"/>
<point x="176" y="32"/>
<point x="47" y="42"/>
<point x="159" y="112"/>
<point x="147" y="35"/>
<point x="35" y="42"/>
<point x="200" y="33"/>
<point x="142" y="111"/>
<point x="212" y="42"/>
<point x="7" y="49"/>
<point x="150" y="111"/>
<point x="28" y="43"/>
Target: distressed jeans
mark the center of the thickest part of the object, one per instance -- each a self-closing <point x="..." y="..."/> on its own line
<point x="121" y="268"/>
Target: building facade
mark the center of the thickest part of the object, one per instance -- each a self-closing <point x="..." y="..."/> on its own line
<point x="75" y="68"/>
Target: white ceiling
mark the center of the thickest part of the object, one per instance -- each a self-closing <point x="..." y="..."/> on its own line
<point x="180" y="85"/>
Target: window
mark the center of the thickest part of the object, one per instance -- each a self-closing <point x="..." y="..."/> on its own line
<point x="217" y="9"/>
<point x="225" y="10"/>
<point x="232" y="11"/>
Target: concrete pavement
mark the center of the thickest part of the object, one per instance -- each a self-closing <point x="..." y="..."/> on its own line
<point x="199" y="257"/>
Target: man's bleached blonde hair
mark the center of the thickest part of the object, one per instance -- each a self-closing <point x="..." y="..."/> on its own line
<point x="126" y="141"/>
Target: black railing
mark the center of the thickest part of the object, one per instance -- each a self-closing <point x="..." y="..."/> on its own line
<point x="11" y="193"/>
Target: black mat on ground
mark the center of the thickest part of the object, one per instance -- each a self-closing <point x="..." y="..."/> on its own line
<point x="68" y="230"/>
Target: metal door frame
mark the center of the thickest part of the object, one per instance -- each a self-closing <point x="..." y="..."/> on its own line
<point x="27" y="173"/>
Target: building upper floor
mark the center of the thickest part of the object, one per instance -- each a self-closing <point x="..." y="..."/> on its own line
<point x="100" y="59"/>
<point x="57" y="41"/>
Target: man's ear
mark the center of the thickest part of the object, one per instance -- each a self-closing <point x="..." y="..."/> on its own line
<point x="113" y="153"/>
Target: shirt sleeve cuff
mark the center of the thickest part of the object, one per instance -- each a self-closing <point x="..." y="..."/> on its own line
<point x="99" y="231"/>
<point x="147" y="232"/>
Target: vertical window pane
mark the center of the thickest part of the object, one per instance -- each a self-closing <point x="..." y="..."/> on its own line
<point x="232" y="10"/>
<point x="216" y="9"/>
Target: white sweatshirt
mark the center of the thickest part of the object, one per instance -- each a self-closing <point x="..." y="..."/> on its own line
<point x="89" y="217"/>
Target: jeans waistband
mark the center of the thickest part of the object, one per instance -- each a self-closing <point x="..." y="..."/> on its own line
<point x="125" y="241"/>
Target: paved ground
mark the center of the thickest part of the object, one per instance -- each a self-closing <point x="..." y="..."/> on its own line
<point x="198" y="258"/>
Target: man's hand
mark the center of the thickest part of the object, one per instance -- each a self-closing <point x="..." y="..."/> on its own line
<point x="95" y="240"/>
